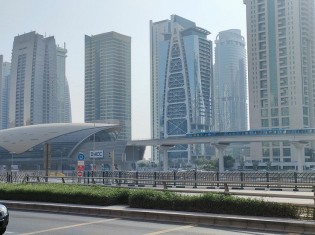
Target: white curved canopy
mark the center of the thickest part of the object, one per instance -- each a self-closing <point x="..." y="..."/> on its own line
<point x="19" y="139"/>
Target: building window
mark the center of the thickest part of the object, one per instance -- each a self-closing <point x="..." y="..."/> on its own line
<point x="285" y="121"/>
<point x="286" y="152"/>
<point x="264" y="123"/>
<point x="276" y="152"/>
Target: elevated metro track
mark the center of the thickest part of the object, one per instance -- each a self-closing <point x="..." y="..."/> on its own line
<point x="297" y="137"/>
<point x="291" y="135"/>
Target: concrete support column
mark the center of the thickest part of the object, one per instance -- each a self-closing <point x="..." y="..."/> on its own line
<point x="164" y="149"/>
<point x="299" y="154"/>
<point x="220" y="151"/>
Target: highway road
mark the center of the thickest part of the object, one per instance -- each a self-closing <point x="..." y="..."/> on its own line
<point x="29" y="223"/>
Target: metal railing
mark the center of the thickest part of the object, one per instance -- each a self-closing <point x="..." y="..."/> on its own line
<point x="189" y="178"/>
<point x="204" y="181"/>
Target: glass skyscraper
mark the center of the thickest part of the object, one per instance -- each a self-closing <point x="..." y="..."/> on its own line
<point x="230" y="82"/>
<point x="108" y="81"/>
<point x="281" y="62"/>
<point x="181" y="83"/>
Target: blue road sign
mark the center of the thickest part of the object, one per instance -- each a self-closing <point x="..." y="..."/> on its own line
<point x="81" y="157"/>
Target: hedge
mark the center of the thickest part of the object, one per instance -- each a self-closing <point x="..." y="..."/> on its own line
<point x="147" y="199"/>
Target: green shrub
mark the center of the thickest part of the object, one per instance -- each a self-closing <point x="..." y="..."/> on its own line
<point x="62" y="193"/>
<point x="211" y="203"/>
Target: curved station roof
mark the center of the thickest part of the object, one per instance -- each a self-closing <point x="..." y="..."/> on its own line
<point x="21" y="139"/>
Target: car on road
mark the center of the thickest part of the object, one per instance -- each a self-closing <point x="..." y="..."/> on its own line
<point x="4" y="218"/>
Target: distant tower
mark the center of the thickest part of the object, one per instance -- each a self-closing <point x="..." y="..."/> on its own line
<point x="34" y="80"/>
<point x="281" y="62"/>
<point x="108" y="80"/>
<point x="181" y="83"/>
<point x="230" y="82"/>
<point x="63" y="96"/>
<point x="5" y="87"/>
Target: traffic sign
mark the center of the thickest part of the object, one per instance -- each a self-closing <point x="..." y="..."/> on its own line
<point x="81" y="157"/>
<point x="79" y="173"/>
<point x="81" y="168"/>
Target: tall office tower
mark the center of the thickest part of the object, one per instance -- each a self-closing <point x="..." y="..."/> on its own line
<point x="230" y="82"/>
<point x="181" y="84"/>
<point x="68" y="112"/>
<point x="1" y="79"/>
<point x="108" y="80"/>
<point x="5" y="87"/>
<point x="63" y="96"/>
<point x="34" y="83"/>
<point x="281" y="72"/>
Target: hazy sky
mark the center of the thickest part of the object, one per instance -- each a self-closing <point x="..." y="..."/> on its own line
<point x="70" y="20"/>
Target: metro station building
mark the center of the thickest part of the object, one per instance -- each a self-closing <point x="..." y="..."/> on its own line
<point x="23" y="148"/>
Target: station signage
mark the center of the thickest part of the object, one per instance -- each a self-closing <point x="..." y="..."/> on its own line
<point x="96" y="154"/>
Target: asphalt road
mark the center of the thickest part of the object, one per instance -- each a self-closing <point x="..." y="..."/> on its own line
<point x="29" y="223"/>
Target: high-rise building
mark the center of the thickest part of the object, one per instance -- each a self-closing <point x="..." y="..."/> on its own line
<point x="230" y="82"/>
<point x="33" y="83"/>
<point x="1" y="79"/>
<point x="108" y="80"/>
<point x="181" y="84"/>
<point x="5" y="87"/>
<point x="281" y="62"/>
<point x="63" y="95"/>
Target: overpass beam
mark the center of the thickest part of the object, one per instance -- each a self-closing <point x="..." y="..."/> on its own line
<point x="299" y="154"/>
<point x="220" y="147"/>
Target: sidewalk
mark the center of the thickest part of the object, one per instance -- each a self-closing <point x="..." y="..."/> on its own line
<point x="233" y="221"/>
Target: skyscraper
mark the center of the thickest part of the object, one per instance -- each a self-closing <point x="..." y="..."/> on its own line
<point x="281" y="72"/>
<point x="230" y="82"/>
<point x="108" y="80"/>
<point x="33" y="83"/>
<point x="63" y="96"/>
<point x="181" y="83"/>
<point x="5" y="82"/>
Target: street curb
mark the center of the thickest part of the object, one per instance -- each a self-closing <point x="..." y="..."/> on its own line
<point x="254" y="223"/>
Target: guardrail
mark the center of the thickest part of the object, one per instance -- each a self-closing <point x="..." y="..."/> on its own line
<point x="191" y="178"/>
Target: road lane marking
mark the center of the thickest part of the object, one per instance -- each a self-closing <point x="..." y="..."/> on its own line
<point x="69" y="226"/>
<point x="172" y="229"/>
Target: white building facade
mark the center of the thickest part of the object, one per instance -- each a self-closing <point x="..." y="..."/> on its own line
<point x="281" y="62"/>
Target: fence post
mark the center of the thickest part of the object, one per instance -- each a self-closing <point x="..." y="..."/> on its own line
<point x="137" y="175"/>
<point x="242" y="179"/>
<point x="174" y="178"/>
<point x="218" y="178"/>
<point x="154" y="182"/>
<point x="195" y="178"/>
<point x="295" y="181"/>
<point x="103" y="175"/>
<point x="314" y="203"/>
<point x="267" y="176"/>
<point x="88" y="177"/>
<point x="119" y="176"/>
